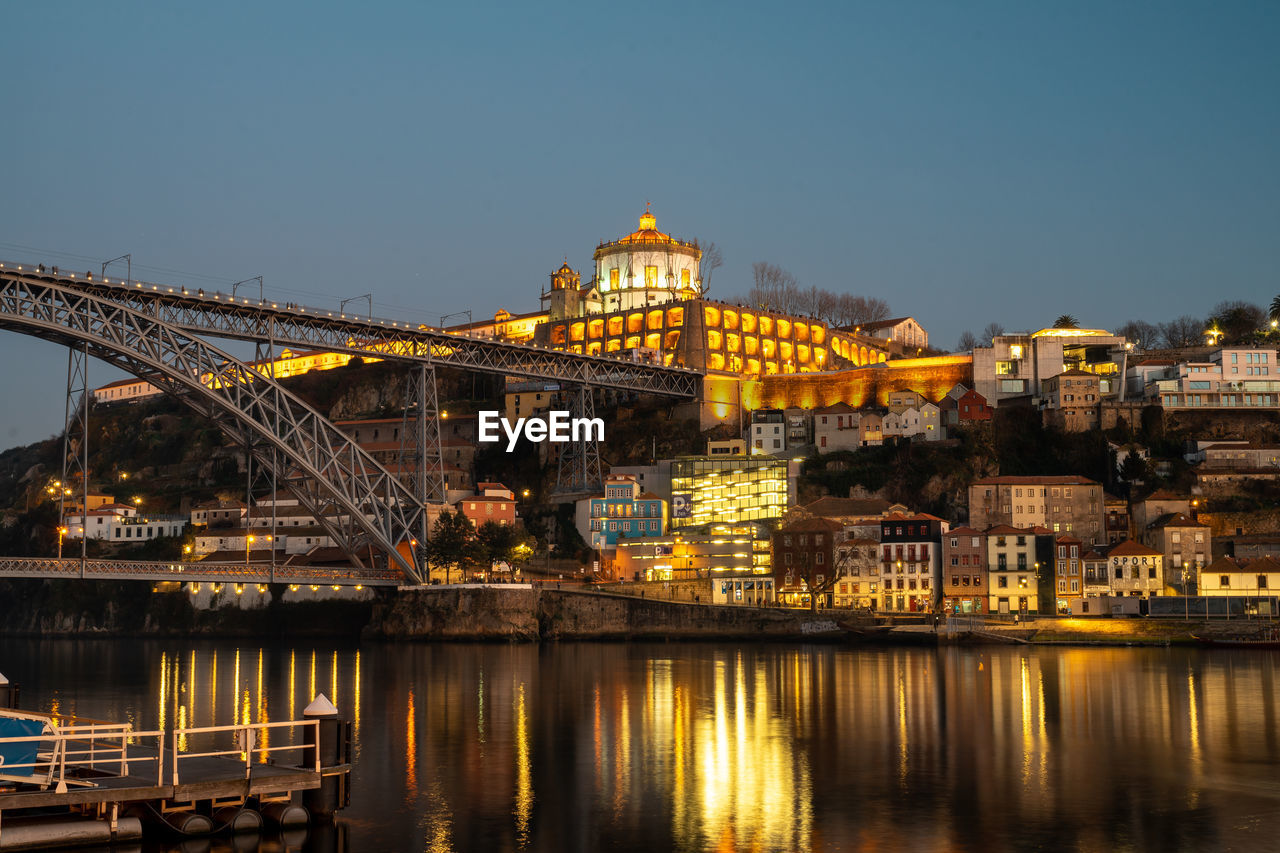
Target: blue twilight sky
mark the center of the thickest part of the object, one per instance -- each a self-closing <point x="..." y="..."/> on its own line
<point x="967" y="162"/>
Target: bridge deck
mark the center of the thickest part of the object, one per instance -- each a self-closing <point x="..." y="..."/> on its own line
<point x="198" y="572"/>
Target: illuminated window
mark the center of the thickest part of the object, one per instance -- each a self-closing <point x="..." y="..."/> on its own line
<point x="613" y="345"/>
<point x="595" y="328"/>
<point x="766" y="325"/>
<point x="730" y="319"/>
<point x="750" y="345"/>
<point x="802" y="332"/>
<point x="748" y="323"/>
<point x="615" y="325"/>
<point x="653" y="340"/>
<point x="732" y="342"/>
<point x="633" y="342"/>
<point x="711" y="316"/>
<point x="635" y="323"/>
<point x="768" y="349"/>
<point x="675" y="317"/>
<point x="713" y="339"/>
<point x="684" y="277"/>
<point x="784" y="328"/>
<point x="655" y="320"/>
<point x="557" y="335"/>
<point x="650" y="276"/>
<point x="817" y="334"/>
<point x="613" y="279"/>
<point x="672" y="340"/>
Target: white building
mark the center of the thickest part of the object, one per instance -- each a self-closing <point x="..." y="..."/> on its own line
<point x="647" y="267"/>
<point x="902" y="330"/>
<point x="1232" y="378"/>
<point x="835" y="427"/>
<point x="121" y="523"/>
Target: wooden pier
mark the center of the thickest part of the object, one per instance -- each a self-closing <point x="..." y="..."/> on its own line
<point x="67" y="782"/>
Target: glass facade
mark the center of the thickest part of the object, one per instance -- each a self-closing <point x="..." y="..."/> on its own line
<point x="728" y="491"/>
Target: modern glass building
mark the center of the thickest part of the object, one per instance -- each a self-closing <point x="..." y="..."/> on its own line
<point x="729" y="490"/>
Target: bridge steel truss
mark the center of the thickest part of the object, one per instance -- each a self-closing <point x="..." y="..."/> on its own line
<point x="239" y="318"/>
<point x="197" y="572"/>
<point x="343" y="485"/>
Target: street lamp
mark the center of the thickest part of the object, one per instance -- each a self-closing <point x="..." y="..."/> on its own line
<point x="62" y="531"/>
<point x="248" y="540"/>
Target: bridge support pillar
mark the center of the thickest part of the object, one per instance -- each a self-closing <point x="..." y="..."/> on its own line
<point x="420" y="441"/>
<point x="579" y="467"/>
<point x="75" y="446"/>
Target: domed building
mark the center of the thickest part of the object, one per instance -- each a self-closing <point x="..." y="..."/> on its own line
<point x="647" y="267"/>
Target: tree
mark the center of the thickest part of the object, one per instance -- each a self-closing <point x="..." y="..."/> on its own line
<point x="1066" y="321"/>
<point x="1237" y="320"/>
<point x="967" y="342"/>
<point x="711" y="261"/>
<point x="1133" y="469"/>
<point x="773" y="288"/>
<point x="992" y="331"/>
<point x="1185" y="331"/>
<point x="496" y="542"/>
<point x="1275" y="308"/>
<point x="1141" y="334"/>
<point x="449" y="542"/>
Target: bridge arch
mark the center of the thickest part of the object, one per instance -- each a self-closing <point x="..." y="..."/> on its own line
<point x="341" y="483"/>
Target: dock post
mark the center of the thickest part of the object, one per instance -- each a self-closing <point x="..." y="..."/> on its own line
<point x="325" y="801"/>
<point x="8" y="694"/>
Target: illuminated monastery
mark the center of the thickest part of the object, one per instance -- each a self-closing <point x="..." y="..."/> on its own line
<point x="645" y="302"/>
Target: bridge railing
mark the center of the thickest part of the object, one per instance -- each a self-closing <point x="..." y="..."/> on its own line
<point x="48" y="567"/>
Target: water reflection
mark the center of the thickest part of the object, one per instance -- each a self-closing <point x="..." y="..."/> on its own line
<point x="756" y="748"/>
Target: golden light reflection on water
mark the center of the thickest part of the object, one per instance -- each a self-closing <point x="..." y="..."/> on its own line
<point x="411" y="751"/>
<point x="524" y="771"/>
<point x="743" y="749"/>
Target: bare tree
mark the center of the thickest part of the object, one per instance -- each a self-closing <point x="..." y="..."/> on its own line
<point x="992" y="331"/>
<point x="967" y="342"/>
<point x="774" y="288"/>
<point x="711" y="261"/>
<point x="859" y="310"/>
<point x="1185" y="331"/>
<point x="1141" y="334"/>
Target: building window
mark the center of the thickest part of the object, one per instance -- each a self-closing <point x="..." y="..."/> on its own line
<point x="1224" y="581"/>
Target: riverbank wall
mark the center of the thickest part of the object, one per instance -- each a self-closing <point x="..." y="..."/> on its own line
<point x="529" y="613"/>
<point x="537" y="613"/>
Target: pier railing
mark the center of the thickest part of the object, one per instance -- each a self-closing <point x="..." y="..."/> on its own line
<point x="70" y="753"/>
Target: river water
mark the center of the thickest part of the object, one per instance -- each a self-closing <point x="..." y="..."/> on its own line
<point x="726" y="747"/>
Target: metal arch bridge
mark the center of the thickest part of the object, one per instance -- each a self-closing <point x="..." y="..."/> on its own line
<point x="358" y="502"/>
<point x="149" y="330"/>
<point x="267" y="321"/>
<point x="196" y="572"/>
